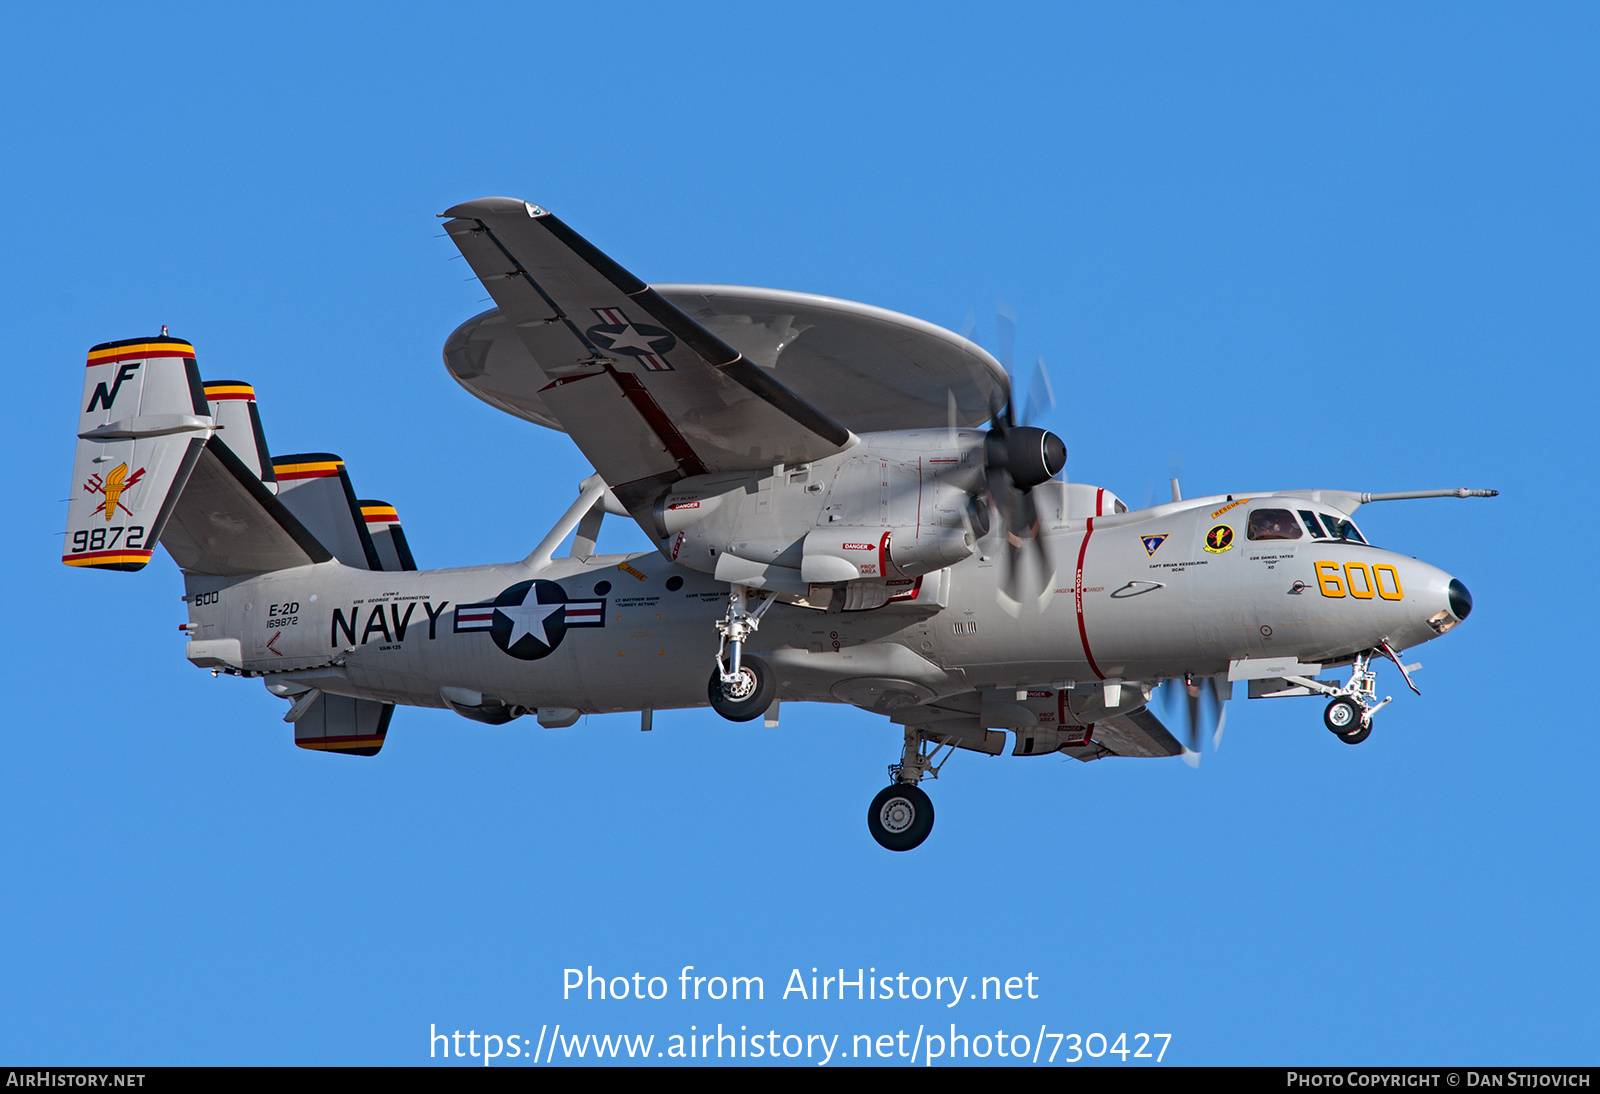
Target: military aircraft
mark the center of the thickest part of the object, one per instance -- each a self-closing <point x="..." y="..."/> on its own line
<point x="844" y="508"/>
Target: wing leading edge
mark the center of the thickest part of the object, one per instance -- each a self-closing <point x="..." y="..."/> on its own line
<point x="648" y="394"/>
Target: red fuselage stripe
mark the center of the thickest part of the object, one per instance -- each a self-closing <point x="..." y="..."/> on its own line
<point x="1077" y="592"/>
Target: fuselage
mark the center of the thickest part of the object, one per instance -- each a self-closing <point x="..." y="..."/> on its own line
<point x="1140" y="596"/>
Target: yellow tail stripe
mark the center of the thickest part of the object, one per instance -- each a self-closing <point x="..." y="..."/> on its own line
<point x="164" y="349"/>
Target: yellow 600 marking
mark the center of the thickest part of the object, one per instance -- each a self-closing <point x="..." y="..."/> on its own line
<point x="1394" y="575"/>
<point x="1332" y="584"/>
<point x="1328" y="581"/>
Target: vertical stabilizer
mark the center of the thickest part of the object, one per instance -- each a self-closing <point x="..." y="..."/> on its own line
<point x="383" y="525"/>
<point x="144" y="423"/>
<point x="233" y="405"/>
<point x="316" y="489"/>
<point x="336" y="723"/>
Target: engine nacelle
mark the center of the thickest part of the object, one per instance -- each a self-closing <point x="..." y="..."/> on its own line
<point x="915" y="552"/>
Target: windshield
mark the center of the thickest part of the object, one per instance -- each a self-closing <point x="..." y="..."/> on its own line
<point x="1329" y="526"/>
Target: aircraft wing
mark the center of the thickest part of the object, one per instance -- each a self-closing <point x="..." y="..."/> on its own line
<point x="649" y="395"/>
<point x="1138" y="734"/>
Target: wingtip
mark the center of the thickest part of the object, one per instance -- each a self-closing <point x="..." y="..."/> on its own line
<point x="482" y="207"/>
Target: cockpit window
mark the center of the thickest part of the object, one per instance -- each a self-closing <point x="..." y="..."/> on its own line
<point x="1273" y="524"/>
<point x="1340" y="528"/>
<point x="1343" y="529"/>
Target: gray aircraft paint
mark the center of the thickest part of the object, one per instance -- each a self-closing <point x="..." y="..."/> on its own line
<point x="657" y="646"/>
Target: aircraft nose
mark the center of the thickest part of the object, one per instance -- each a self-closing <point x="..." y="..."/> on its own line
<point x="1448" y="601"/>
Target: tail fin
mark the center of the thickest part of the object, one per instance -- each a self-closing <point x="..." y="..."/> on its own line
<point x="316" y="486"/>
<point x="383" y="525"/>
<point x="144" y="423"/>
<point x="316" y="489"/>
<point x="149" y="468"/>
<point x="335" y="723"/>
<point x="233" y="405"/>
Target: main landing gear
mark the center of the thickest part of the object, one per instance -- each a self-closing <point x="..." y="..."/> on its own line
<point x="901" y="816"/>
<point x="741" y="688"/>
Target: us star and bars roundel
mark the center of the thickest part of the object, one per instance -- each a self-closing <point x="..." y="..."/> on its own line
<point x="615" y="333"/>
<point x="530" y="618"/>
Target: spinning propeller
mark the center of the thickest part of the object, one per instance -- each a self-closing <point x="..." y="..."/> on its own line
<point x="1018" y="458"/>
<point x="1203" y="706"/>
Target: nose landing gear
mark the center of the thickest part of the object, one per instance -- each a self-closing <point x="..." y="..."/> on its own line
<point x="1349" y="716"/>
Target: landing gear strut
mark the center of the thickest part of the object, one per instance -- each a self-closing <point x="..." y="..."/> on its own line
<point x="1349" y="716"/>
<point x="901" y="816"/>
<point x="741" y="688"/>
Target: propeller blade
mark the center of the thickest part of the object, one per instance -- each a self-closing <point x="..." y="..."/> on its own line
<point x="1005" y="319"/>
<point x="1027" y="574"/>
<point x="1041" y="394"/>
<point x="1216" y="738"/>
<point x="1192" y="691"/>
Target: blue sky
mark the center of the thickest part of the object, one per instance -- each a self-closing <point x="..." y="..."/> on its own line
<point x="1271" y="245"/>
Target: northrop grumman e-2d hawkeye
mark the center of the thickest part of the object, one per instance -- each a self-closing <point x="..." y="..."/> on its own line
<point x="844" y="511"/>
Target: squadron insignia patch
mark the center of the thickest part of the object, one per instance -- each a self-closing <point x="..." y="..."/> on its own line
<point x="530" y="618"/>
<point x="113" y="486"/>
<point x="1219" y="539"/>
<point x="1152" y="544"/>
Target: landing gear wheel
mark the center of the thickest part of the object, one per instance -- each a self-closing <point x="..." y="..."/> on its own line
<point x="900" y="817"/>
<point x="1344" y="716"/>
<point x="1357" y="735"/>
<point x="747" y="697"/>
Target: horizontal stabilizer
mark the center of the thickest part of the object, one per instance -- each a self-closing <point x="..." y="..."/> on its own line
<point x="226" y="522"/>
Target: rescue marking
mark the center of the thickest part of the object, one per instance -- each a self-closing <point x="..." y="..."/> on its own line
<point x="1077" y="590"/>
